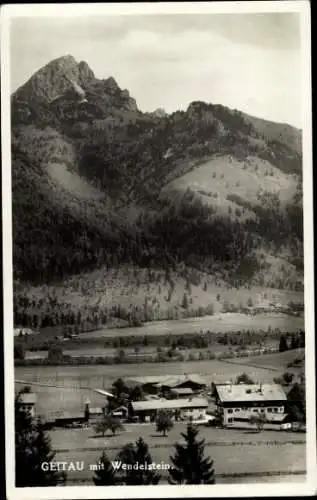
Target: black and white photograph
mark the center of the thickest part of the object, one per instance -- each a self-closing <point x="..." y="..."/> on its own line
<point x="158" y="250"/>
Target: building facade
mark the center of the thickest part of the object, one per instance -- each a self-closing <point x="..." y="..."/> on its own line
<point x="239" y="403"/>
<point x="180" y="409"/>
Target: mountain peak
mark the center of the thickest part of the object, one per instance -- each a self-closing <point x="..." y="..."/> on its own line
<point x="68" y="59"/>
<point x="55" y="78"/>
<point x="64" y="82"/>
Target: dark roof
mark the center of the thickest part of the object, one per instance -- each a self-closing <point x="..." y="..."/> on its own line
<point x="167" y="380"/>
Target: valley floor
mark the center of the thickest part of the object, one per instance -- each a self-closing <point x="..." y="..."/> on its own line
<point x="69" y="387"/>
<point x="238" y="454"/>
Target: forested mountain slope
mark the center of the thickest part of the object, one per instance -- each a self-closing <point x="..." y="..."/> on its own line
<point x="96" y="182"/>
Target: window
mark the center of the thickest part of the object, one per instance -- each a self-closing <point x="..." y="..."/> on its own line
<point x="269" y="410"/>
<point x="255" y="410"/>
<point x="230" y="420"/>
<point x="230" y="410"/>
<point x="262" y="410"/>
<point x="237" y="409"/>
<point x="281" y="409"/>
<point x="275" y="410"/>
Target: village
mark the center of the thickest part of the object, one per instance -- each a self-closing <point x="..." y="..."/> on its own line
<point x="185" y="398"/>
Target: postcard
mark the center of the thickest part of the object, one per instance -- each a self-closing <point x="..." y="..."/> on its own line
<point x="158" y="250"/>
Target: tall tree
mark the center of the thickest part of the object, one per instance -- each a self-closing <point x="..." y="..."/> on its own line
<point x="19" y="351"/>
<point x="189" y="464"/>
<point x="164" y="422"/>
<point x="294" y="341"/>
<point x="32" y="449"/>
<point x="138" y="455"/>
<point x="297" y="397"/>
<point x="283" y="346"/>
<point x="105" y="474"/>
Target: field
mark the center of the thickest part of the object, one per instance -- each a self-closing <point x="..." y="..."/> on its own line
<point x="279" y="451"/>
<point x="222" y="322"/>
<point x="95" y="348"/>
<point x="275" y="360"/>
<point x="104" y="375"/>
<point x="105" y="341"/>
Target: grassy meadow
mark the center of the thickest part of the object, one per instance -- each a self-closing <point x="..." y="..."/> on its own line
<point x="254" y="453"/>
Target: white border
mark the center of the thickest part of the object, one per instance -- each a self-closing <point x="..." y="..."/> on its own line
<point x="82" y="492"/>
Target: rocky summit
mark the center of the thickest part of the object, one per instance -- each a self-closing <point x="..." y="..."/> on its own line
<point x="65" y="82"/>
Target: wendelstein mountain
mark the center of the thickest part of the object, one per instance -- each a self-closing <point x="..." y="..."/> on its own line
<point x="98" y="183"/>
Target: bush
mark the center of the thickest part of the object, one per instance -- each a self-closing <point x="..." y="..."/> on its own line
<point x="107" y="422"/>
<point x="244" y="379"/>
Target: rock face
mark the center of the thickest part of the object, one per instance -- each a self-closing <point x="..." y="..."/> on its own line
<point x="51" y="81"/>
<point x="65" y="82"/>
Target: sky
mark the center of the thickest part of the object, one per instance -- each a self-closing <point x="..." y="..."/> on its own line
<point x="250" y="62"/>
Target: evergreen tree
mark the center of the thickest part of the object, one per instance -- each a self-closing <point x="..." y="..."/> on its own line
<point x="294" y="341"/>
<point x="297" y="396"/>
<point x="283" y="346"/>
<point x="105" y="475"/>
<point x="189" y="464"/>
<point x="138" y="455"/>
<point x="19" y="351"/>
<point x="32" y="449"/>
<point x="185" y="302"/>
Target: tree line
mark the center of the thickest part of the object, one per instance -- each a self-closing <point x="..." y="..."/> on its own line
<point x="292" y="341"/>
<point x="165" y="343"/>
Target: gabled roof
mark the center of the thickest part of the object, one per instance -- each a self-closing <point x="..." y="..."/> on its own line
<point x="69" y="416"/>
<point x="251" y="392"/>
<point x="183" y="390"/>
<point x="167" y="380"/>
<point x="169" y="404"/>
<point x="177" y="381"/>
<point x="120" y="408"/>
